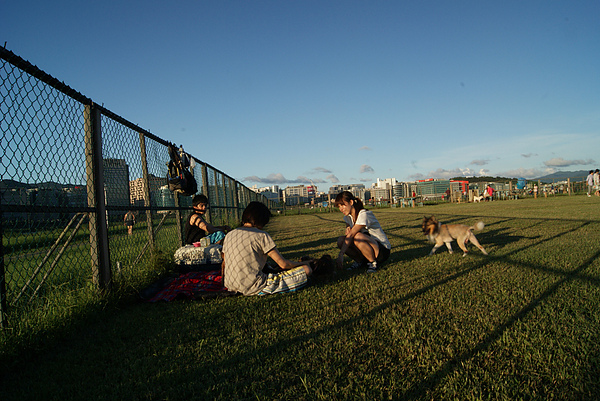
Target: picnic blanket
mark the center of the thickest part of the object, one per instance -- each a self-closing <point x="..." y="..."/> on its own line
<point x="191" y="285"/>
<point x="198" y="276"/>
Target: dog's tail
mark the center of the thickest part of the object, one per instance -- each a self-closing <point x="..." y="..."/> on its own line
<point x="478" y="226"/>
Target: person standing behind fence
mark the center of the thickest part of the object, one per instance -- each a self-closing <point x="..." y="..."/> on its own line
<point x="129" y="221"/>
<point x="246" y="251"/>
<point x="197" y="229"/>
<point x="365" y="241"/>
<point x="590" y="182"/>
<point x="489" y="193"/>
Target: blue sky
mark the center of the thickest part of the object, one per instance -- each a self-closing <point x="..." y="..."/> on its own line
<point x="337" y="92"/>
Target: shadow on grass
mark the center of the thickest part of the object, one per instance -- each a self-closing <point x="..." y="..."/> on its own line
<point x="415" y="250"/>
<point x="306" y="247"/>
<point x="423" y="388"/>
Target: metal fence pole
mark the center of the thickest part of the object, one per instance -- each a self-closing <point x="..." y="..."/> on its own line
<point x="225" y="198"/>
<point x="146" y="189"/>
<point x="3" y="302"/>
<point x="100" y="258"/>
<point x="236" y="201"/>
<point x="178" y="218"/>
<point x="206" y="190"/>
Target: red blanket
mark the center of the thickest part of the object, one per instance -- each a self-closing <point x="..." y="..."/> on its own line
<point x="191" y="285"/>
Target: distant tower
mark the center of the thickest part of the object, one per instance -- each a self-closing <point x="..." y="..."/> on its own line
<point x="116" y="182"/>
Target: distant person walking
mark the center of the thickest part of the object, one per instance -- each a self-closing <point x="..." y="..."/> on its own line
<point x="597" y="182"/>
<point x="489" y="193"/>
<point x="590" y="182"/>
<point x="129" y="221"/>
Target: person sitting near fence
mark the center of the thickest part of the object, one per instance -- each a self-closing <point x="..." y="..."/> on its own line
<point x="246" y="251"/>
<point x="198" y="230"/>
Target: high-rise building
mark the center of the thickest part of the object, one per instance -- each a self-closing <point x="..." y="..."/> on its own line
<point x="116" y="182"/>
<point x="136" y="189"/>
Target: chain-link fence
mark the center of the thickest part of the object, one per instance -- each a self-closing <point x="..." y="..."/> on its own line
<point x="70" y="173"/>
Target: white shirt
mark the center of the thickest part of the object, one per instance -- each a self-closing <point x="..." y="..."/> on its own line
<point x="372" y="227"/>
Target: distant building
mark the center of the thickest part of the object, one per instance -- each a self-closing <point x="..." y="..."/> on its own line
<point x="381" y="194"/>
<point x="164" y="197"/>
<point x="432" y="188"/>
<point x="116" y="182"/>
<point x="358" y="190"/>
<point x="136" y="189"/>
<point x="298" y="190"/>
<point x="402" y="190"/>
<point x="387" y="183"/>
<point x="298" y="194"/>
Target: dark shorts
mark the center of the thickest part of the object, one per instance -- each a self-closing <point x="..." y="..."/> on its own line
<point x="384" y="253"/>
<point x="129" y="223"/>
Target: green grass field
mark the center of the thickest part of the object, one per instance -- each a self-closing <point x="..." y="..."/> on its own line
<point x="521" y="323"/>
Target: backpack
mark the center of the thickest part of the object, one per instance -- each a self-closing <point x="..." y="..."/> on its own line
<point x="179" y="177"/>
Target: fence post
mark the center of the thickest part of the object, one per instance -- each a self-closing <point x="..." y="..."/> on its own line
<point x="100" y="257"/>
<point x="236" y="201"/>
<point x="205" y="188"/>
<point x="3" y="301"/>
<point x="178" y="218"/>
<point x="216" y="194"/>
<point x="225" y="199"/>
<point x="146" y="189"/>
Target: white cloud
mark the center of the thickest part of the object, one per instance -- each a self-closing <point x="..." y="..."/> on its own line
<point x="321" y="170"/>
<point x="332" y="178"/>
<point x="365" y="168"/>
<point x="278" y="178"/>
<point x="560" y="162"/>
<point x="447" y="174"/>
<point x="525" y="173"/>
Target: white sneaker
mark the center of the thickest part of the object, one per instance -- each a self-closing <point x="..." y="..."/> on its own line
<point x="372" y="267"/>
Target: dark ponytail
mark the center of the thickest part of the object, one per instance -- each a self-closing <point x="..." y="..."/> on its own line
<point x="346" y="196"/>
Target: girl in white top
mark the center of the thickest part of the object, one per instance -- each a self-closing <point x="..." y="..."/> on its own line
<point x="365" y="241"/>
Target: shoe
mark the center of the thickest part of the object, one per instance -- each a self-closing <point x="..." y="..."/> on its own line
<point x="372" y="267"/>
<point x="355" y="266"/>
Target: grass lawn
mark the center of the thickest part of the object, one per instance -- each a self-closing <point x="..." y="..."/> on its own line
<point x="521" y="323"/>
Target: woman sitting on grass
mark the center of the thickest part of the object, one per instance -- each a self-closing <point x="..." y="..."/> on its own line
<point x="365" y="241"/>
<point x="245" y="253"/>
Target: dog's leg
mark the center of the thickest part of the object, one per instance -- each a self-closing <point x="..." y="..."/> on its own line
<point x="449" y="246"/>
<point x="435" y="248"/>
<point x="462" y="242"/>
<point x="476" y="243"/>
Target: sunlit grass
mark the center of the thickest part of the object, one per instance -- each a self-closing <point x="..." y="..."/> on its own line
<point x="521" y="323"/>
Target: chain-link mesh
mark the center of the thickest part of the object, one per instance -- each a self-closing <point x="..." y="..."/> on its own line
<point x="72" y="175"/>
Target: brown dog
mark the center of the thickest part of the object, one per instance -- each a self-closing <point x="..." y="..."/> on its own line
<point x="441" y="234"/>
